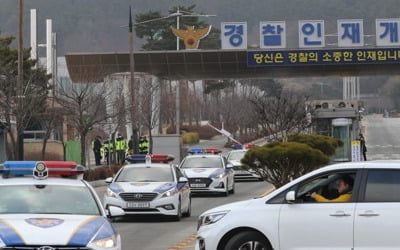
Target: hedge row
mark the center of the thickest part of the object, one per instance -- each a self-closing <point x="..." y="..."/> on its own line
<point x="100" y="173"/>
<point x="204" y="132"/>
<point x="190" y="138"/>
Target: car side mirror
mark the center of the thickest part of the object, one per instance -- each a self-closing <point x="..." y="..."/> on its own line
<point x="291" y="197"/>
<point x="114" y="211"/>
<point x="183" y="180"/>
<point x="229" y="165"/>
<point x="108" y="180"/>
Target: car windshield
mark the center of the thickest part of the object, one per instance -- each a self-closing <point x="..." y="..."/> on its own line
<point x="236" y="156"/>
<point x="202" y="162"/>
<point x="47" y="199"/>
<point x="145" y="174"/>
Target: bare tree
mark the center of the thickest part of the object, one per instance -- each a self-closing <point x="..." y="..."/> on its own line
<point x="280" y="115"/>
<point x="85" y="106"/>
<point x="16" y="109"/>
<point x="149" y="108"/>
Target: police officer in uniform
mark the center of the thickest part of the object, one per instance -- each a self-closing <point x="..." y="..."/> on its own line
<point x="120" y="147"/>
<point x="96" y="146"/>
<point x="143" y="145"/>
<point x="108" y="150"/>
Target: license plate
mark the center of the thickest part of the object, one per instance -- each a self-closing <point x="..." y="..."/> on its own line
<point x="198" y="185"/>
<point x="138" y="204"/>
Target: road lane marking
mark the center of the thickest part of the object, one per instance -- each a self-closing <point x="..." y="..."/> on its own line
<point x="267" y="192"/>
<point x="184" y="243"/>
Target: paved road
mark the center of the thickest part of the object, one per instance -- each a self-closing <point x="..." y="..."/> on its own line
<point x="158" y="233"/>
<point x="152" y="233"/>
<point x="382" y="137"/>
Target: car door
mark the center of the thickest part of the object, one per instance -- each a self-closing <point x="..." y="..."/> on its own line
<point x="307" y="224"/>
<point x="377" y="221"/>
<point x="231" y="173"/>
<point x="184" y="188"/>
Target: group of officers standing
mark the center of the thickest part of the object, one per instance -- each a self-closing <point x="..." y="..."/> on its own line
<point x="115" y="151"/>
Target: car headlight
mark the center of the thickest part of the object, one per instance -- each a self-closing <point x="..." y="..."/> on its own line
<point x="2" y="243"/>
<point x="211" y="218"/>
<point x="106" y="238"/>
<point x="110" y="193"/>
<point x="220" y="176"/>
<point x="170" y="193"/>
<point x="106" y="243"/>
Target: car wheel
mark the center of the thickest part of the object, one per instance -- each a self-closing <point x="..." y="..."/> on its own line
<point x="189" y="209"/>
<point x="178" y="215"/>
<point x="247" y="240"/>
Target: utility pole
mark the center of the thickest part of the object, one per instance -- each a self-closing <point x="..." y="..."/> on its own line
<point x="133" y="87"/>
<point x="20" y="80"/>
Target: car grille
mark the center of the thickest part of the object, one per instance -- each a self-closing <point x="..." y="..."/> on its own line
<point x="206" y="181"/>
<point x="138" y="196"/>
<point x="45" y="247"/>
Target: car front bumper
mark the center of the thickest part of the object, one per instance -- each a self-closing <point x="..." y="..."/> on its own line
<point x="161" y="206"/>
<point x="207" y="185"/>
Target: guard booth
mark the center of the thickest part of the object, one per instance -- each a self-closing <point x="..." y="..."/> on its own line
<point x="339" y="119"/>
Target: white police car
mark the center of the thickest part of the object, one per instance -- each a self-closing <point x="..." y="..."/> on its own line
<point x="241" y="174"/>
<point x="149" y="188"/>
<point x="208" y="172"/>
<point x="41" y="212"/>
<point x="290" y="218"/>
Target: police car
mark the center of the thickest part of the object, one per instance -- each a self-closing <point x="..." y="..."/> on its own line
<point x="208" y="172"/>
<point x="241" y="174"/>
<point x="39" y="210"/>
<point x="149" y="188"/>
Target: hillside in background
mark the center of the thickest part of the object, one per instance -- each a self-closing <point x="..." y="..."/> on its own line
<point x="95" y="25"/>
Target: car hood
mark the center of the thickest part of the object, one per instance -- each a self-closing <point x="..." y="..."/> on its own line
<point x="142" y="187"/>
<point x="52" y="229"/>
<point x="203" y="172"/>
<point x="230" y="206"/>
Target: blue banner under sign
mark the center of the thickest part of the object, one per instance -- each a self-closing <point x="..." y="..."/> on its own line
<point x="323" y="57"/>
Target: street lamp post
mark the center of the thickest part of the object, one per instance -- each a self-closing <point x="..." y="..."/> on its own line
<point x="132" y="74"/>
<point x="20" y="80"/>
<point x="132" y="86"/>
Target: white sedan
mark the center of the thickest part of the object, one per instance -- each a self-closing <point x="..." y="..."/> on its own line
<point x="359" y="214"/>
<point x="241" y="174"/>
<point x="150" y="188"/>
<point x="209" y="173"/>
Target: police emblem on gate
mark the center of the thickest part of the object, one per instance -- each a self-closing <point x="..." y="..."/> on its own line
<point x="44" y="223"/>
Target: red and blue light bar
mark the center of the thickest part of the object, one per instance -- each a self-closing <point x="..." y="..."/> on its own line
<point x="204" y="151"/>
<point x="244" y="146"/>
<point x="155" y="158"/>
<point x="55" y="168"/>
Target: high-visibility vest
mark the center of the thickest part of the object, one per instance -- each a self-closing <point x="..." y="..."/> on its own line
<point x="144" y="146"/>
<point x="108" y="146"/>
<point x="120" y="144"/>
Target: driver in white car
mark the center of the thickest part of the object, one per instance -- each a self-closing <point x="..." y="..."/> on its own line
<point x="345" y="186"/>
